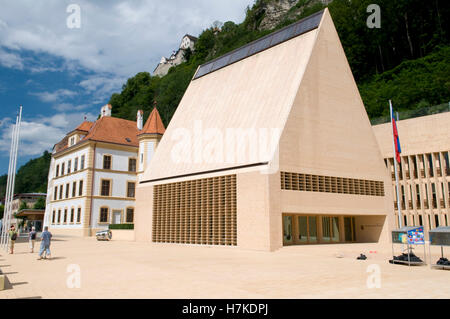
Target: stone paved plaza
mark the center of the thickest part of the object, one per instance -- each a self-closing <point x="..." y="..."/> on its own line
<point x="119" y="269"/>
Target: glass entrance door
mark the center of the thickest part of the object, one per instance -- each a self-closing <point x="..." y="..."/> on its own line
<point x="287" y="230"/>
<point x="330" y="228"/>
<point x="349" y="229"/>
<point x="312" y="228"/>
<point x="307" y="230"/>
<point x="299" y="229"/>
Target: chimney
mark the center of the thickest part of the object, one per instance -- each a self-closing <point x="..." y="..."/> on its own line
<point x="140" y="119"/>
<point x="106" y="110"/>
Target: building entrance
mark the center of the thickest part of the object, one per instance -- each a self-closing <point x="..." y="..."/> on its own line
<point x="317" y="229"/>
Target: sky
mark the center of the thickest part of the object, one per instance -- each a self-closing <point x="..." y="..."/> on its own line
<point x="63" y="59"/>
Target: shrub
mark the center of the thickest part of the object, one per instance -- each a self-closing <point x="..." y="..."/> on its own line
<point x="121" y="226"/>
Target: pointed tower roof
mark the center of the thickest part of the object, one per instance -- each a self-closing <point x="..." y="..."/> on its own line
<point x="154" y="124"/>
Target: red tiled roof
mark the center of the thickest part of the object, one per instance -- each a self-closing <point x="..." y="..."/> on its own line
<point x="154" y="124"/>
<point x="85" y="126"/>
<point x="113" y="130"/>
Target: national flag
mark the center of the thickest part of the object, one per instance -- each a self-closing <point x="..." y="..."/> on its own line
<point x="398" y="149"/>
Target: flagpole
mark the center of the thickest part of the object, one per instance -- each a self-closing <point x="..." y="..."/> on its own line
<point x="395" y="169"/>
<point x="8" y="184"/>
<point x="7" y="214"/>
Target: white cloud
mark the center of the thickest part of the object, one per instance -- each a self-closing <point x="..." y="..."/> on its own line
<point x="116" y="40"/>
<point x="64" y="107"/>
<point x="101" y="87"/>
<point x="40" y="134"/>
<point x="55" y="96"/>
<point x="116" y="37"/>
<point x="10" y="60"/>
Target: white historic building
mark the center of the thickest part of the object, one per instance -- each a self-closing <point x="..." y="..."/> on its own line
<point x="187" y="42"/>
<point x="94" y="171"/>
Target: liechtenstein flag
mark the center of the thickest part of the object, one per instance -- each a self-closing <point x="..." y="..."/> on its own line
<point x="398" y="150"/>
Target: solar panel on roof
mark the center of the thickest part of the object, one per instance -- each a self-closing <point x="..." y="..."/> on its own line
<point x="204" y="69"/>
<point x="261" y="45"/>
<point x="282" y="35"/>
<point x="239" y="54"/>
<point x="221" y="62"/>
<point x="293" y="30"/>
<point x="307" y="25"/>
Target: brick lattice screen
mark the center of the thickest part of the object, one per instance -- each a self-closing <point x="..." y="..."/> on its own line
<point x="201" y="211"/>
<point x="330" y="184"/>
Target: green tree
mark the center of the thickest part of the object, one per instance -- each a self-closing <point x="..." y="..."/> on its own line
<point x="23" y="205"/>
<point x="40" y="203"/>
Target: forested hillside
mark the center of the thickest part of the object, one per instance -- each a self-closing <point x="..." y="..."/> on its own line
<point x="406" y="60"/>
<point x="31" y="177"/>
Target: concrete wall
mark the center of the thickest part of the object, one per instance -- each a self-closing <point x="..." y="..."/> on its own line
<point x="253" y="213"/>
<point x="143" y="213"/>
<point x="122" y="234"/>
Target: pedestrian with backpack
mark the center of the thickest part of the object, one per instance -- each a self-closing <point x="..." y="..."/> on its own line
<point x="12" y="239"/>
<point x="46" y="237"/>
<point x="32" y="239"/>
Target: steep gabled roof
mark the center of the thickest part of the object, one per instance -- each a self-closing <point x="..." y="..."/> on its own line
<point x="191" y="37"/>
<point x="255" y="90"/>
<point x="275" y="38"/>
<point x="154" y="124"/>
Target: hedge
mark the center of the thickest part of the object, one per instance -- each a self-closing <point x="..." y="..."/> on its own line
<point x="121" y="226"/>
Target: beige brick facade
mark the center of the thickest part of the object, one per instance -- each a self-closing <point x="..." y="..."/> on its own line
<point x="424" y="171"/>
<point x="340" y="190"/>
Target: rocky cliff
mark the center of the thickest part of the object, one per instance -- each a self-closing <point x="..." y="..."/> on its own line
<point x="275" y="11"/>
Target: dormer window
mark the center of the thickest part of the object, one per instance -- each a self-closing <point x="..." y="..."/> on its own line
<point x="72" y="141"/>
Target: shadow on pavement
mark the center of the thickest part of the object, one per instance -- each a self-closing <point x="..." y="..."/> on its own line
<point x="10" y="285"/>
<point x="56" y="258"/>
<point x="19" y="283"/>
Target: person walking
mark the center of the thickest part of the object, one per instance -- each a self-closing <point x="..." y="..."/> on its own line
<point x="32" y="239"/>
<point x="46" y="237"/>
<point x="12" y="238"/>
